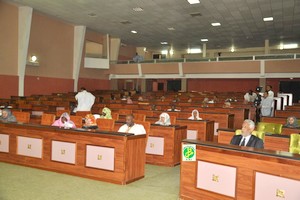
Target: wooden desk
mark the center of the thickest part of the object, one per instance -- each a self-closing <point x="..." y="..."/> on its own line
<point x="225" y="120"/>
<point x="272" y="142"/>
<point x="276" y="120"/>
<point x="163" y="144"/>
<point x="107" y="156"/>
<point x="205" y="129"/>
<point x="230" y="172"/>
<point x="289" y="131"/>
<point x="287" y="113"/>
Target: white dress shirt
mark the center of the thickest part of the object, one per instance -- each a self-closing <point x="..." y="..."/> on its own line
<point x="247" y="138"/>
<point x="136" y="129"/>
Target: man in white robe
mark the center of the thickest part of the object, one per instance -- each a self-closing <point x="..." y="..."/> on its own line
<point x="85" y="100"/>
<point x="131" y="127"/>
<point x="266" y="105"/>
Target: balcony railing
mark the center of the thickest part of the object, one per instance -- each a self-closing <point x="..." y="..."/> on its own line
<point x="215" y="59"/>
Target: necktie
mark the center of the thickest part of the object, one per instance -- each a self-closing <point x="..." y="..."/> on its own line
<point x="243" y="142"/>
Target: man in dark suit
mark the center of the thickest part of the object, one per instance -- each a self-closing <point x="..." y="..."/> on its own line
<point x="246" y="138"/>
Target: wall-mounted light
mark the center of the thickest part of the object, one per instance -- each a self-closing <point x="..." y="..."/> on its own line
<point x="33" y="61"/>
<point x="171" y="52"/>
<point x="232" y="49"/>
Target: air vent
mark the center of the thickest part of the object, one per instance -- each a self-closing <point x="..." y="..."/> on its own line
<point x="125" y="22"/>
<point x="196" y="14"/>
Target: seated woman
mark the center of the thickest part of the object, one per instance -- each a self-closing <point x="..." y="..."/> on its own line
<point x="195" y="115"/>
<point x="7" y="116"/>
<point x="129" y="100"/>
<point x="292" y="122"/>
<point x="106" y="113"/>
<point x="164" y="119"/>
<point x="64" y="121"/>
<point x="90" y="122"/>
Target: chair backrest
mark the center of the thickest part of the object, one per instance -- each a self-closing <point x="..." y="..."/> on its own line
<point x="60" y="112"/>
<point x="294" y="143"/>
<point x="139" y="117"/>
<point x="125" y="111"/>
<point x="258" y="134"/>
<point x="173" y="120"/>
<point x="105" y="124"/>
<point x="23" y="117"/>
<point x="47" y="119"/>
<point x="269" y="127"/>
<point x="83" y="113"/>
<point x="77" y="121"/>
<point x="115" y="116"/>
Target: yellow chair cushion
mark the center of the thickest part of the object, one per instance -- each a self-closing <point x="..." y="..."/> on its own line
<point x="269" y="127"/>
<point x="294" y="143"/>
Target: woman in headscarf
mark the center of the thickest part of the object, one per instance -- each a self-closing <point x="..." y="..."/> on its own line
<point x="106" y="113"/>
<point x="90" y="122"/>
<point x="195" y="115"/>
<point x="164" y="119"/>
<point x="292" y="122"/>
<point x="64" y="121"/>
<point x="7" y="116"/>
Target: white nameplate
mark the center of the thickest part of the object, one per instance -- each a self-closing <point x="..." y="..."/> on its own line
<point x="216" y="127"/>
<point x="192" y="134"/>
<point x="155" y="145"/>
<point x="275" y="187"/>
<point x="216" y="178"/>
<point x="4" y="143"/>
<point x="31" y="147"/>
<point x="63" y="152"/>
<point x="100" y="157"/>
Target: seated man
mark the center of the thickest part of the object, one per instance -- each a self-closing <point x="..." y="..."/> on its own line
<point x="250" y="96"/>
<point x="246" y="138"/>
<point x="7" y="116"/>
<point x="131" y="127"/>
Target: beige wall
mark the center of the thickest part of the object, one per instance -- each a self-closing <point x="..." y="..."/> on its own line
<point x="88" y="72"/>
<point x="283" y="66"/>
<point x="8" y="39"/>
<point x="51" y="41"/>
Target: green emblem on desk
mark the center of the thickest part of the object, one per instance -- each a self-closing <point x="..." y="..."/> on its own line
<point x="188" y="152"/>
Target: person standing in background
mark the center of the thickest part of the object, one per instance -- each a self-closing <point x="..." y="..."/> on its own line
<point x="85" y="100"/>
<point x="270" y="92"/>
<point x="266" y="105"/>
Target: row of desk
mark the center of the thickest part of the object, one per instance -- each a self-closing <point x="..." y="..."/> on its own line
<point x="229" y="172"/>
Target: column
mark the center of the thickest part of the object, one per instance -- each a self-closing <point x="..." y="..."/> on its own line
<point x="183" y="84"/>
<point x="24" y="25"/>
<point x="267" y="47"/>
<point x="79" y="38"/>
<point x="204" y="50"/>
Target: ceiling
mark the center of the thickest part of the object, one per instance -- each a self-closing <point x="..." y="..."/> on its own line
<point x="241" y="21"/>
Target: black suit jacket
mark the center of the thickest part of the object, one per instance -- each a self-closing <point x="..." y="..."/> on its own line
<point x="253" y="141"/>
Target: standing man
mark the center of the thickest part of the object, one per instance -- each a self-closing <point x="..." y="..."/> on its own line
<point x="85" y="100"/>
<point x="269" y="90"/>
<point x="266" y="105"/>
<point x="246" y="138"/>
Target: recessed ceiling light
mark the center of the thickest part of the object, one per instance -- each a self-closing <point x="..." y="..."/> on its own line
<point x="133" y="31"/>
<point x="171" y="29"/>
<point x="138" y="9"/>
<point x="193" y="1"/>
<point x="163" y="42"/>
<point x="268" y="19"/>
<point x="92" y="15"/>
<point x="204" y="40"/>
<point x="216" y="24"/>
